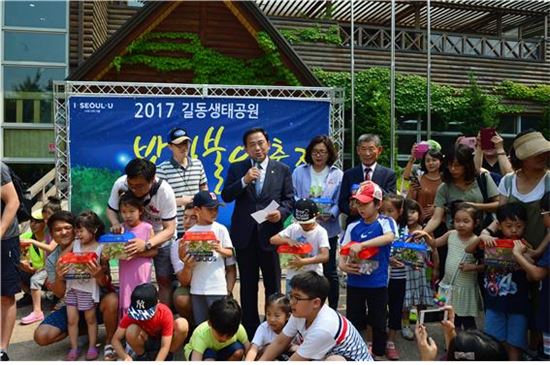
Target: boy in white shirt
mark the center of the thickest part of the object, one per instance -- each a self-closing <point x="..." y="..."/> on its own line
<point x="322" y="333"/>
<point x="304" y="230"/>
<point x="214" y="276"/>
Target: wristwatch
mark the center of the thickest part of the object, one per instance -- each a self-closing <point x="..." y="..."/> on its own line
<point x="148" y="245"/>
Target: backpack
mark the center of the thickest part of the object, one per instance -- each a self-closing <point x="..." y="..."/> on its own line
<point x="25" y="205"/>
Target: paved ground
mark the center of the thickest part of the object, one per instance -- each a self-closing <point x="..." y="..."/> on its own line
<point x="23" y="347"/>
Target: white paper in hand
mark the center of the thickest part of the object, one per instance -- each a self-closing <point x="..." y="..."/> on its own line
<point x="260" y="215"/>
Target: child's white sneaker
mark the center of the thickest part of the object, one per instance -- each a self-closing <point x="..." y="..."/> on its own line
<point x="407" y="333"/>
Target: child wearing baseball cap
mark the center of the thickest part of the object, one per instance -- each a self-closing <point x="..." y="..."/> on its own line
<point x="372" y="230"/>
<point x="213" y="276"/>
<point x="149" y="328"/>
<point x="305" y="230"/>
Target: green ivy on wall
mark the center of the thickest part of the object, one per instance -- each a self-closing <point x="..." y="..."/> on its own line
<point x="171" y="52"/>
<point x="470" y="108"/>
<point x="315" y="34"/>
<point x="537" y="93"/>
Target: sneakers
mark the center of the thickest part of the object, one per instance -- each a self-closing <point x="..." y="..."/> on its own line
<point x="4" y="356"/>
<point x="33" y="317"/>
<point x="407" y="333"/>
<point x="391" y="351"/>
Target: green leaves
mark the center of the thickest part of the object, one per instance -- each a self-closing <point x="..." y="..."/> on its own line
<point x="313" y="35"/>
<point x="172" y="52"/>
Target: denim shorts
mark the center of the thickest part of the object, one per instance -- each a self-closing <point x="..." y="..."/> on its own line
<point x="223" y="354"/>
<point x="58" y="319"/>
<point x="507" y="327"/>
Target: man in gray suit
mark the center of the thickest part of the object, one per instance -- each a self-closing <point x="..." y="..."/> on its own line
<point x="253" y="184"/>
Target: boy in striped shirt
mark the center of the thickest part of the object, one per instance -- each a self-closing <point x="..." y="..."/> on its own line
<point x="322" y="333"/>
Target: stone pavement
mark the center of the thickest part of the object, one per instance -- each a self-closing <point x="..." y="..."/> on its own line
<point x="22" y="346"/>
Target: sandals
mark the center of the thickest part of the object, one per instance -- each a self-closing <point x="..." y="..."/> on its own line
<point x="73" y="355"/>
<point x="109" y="353"/>
<point x="92" y="354"/>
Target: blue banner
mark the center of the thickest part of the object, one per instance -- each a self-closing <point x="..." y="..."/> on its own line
<point x="107" y="132"/>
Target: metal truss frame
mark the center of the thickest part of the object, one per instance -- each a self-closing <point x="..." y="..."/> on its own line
<point x="63" y="90"/>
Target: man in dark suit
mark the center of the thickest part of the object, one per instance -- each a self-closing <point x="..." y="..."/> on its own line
<point x="369" y="149"/>
<point x="253" y="184"/>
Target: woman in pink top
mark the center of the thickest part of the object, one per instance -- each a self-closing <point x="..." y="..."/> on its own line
<point x="137" y="269"/>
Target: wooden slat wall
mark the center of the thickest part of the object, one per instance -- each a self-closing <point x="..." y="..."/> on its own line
<point x="100" y="21"/>
<point x="118" y="15"/>
<point x="448" y="69"/>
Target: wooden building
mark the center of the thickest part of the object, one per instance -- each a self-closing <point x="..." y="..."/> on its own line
<point x="495" y="39"/>
<point x="230" y="28"/>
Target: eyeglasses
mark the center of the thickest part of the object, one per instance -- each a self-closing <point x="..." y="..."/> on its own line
<point x="319" y="152"/>
<point x="294" y="299"/>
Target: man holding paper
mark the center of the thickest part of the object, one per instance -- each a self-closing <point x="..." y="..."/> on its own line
<point x="254" y="184"/>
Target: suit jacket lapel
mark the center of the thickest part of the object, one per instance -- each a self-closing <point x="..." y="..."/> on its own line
<point x="269" y="173"/>
<point x="375" y="173"/>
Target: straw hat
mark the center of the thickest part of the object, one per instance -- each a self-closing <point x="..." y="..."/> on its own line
<point x="531" y="144"/>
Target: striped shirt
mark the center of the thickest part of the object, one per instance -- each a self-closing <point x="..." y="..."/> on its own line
<point x="329" y="334"/>
<point x="183" y="180"/>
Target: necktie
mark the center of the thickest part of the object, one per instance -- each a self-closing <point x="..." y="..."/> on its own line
<point x="367" y="173"/>
<point x="259" y="182"/>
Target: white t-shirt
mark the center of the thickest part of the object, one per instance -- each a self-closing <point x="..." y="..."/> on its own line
<point x="317" y="237"/>
<point x="535" y="194"/>
<point x="329" y="334"/>
<point x="264" y="335"/>
<point x="177" y="264"/>
<point x="318" y="182"/>
<point x="209" y="276"/>
<point x="161" y="207"/>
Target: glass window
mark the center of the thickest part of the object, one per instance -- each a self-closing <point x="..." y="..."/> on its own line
<point x="507" y="124"/>
<point x="37" y="79"/>
<point x="27" y="96"/>
<point x="446" y="142"/>
<point x="135" y="3"/>
<point x="530" y="122"/>
<point x="37" y="14"/>
<point x="405" y="142"/>
<point x="408" y="123"/>
<point x="23" y="46"/>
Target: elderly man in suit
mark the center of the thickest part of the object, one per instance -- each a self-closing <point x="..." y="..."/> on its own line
<point x="369" y="148"/>
<point x="253" y="184"/>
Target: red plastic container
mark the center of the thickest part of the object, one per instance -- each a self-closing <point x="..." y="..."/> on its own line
<point x="78" y="264"/>
<point x="199" y="243"/>
<point x="366" y="265"/>
<point x="288" y="253"/>
<point x="500" y="256"/>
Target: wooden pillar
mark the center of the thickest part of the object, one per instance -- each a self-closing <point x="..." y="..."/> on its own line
<point x="417" y="17"/>
<point x="499" y="25"/>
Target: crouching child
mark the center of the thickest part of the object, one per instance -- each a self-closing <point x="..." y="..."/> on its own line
<point x="149" y="328"/>
<point x="323" y="334"/>
<point x="222" y="337"/>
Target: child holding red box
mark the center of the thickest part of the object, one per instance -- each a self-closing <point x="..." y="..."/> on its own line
<point x="305" y="231"/>
<point x="82" y="294"/>
<point x="506" y="287"/>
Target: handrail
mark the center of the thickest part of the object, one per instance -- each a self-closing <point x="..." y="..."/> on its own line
<point x="41" y="184"/>
<point x="414" y="40"/>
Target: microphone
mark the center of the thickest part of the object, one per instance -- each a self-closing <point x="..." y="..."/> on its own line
<point x="258" y="166"/>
